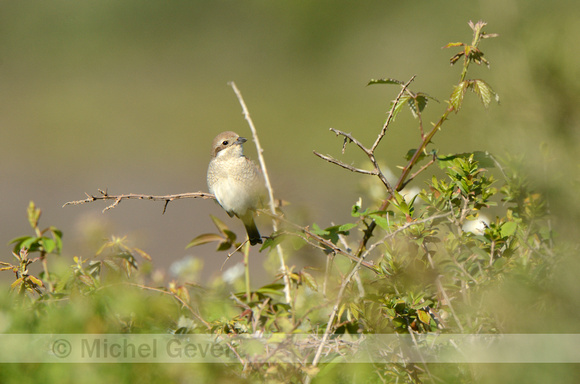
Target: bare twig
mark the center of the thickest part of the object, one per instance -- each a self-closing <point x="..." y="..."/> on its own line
<point x="230" y="254"/>
<point x="424" y="167"/>
<point x="411" y="223"/>
<point x="448" y="302"/>
<point x="370" y="152"/>
<point x="332" y="160"/>
<point x="272" y="204"/>
<point x="391" y="113"/>
<point x="104" y="195"/>
<point x="351" y="139"/>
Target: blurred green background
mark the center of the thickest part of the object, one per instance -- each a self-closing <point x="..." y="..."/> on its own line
<point x="127" y="95"/>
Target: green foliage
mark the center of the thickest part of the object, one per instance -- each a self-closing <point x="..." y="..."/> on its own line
<point x="225" y="238"/>
<point x="428" y="269"/>
<point x="415" y="101"/>
<point x="39" y="242"/>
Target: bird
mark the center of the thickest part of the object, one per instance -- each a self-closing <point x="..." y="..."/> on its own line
<point x="236" y="181"/>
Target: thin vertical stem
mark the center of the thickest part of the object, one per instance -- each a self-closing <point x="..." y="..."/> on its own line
<point x="246" y="251"/>
<point x="279" y="250"/>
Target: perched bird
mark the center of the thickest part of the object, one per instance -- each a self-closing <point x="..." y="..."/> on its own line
<point x="236" y="182"/>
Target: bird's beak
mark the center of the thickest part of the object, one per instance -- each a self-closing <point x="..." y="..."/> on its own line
<point x="241" y="140"/>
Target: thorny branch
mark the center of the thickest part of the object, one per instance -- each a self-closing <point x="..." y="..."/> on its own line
<point x="405" y="177"/>
<point x="332" y="160"/>
<point x="104" y="195"/>
<point x="370" y="152"/>
<point x="426" y="139"/>
<point x="392" y="113"/>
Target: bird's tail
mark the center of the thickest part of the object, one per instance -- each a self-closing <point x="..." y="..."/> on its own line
<point x="253" y="233"/>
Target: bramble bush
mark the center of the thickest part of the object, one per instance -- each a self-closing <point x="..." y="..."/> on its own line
<point x="429" y="261"/>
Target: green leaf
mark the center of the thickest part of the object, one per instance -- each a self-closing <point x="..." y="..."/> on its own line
<point x="354" y="310"/>
<point x="221" y="226"/>
<point x="381" y="221"/>
<point x="223" y="246"/>
<point x="508" y="229"/>
<point x="20" y="240"/>
<point x="456" y="98"/>
<point x="458" y="44"/>
<point x="317" y="230"/>
<point x="16" y="283"/>
<point x="400" y="103"/>
<point x="309" y="280"/>
<point x="484" y="91"/>
<point x="385" y="81"/>
<point x="456" y="57"/>
<point x="402" y="205"/>
<point x="341" y="310"/>
<point x="418" y="104"/>
<point x="346" y="227"/>
<point x="57" y="235"/>
<point x="204" y="239"/>
<point x="142" y="253"/>
<point x="272" y="289"/>
<point x="128" y="257"/>
<point x="331" y="233"/>
<point x="224" y="230"/>
<point x="483" y="158"/>
<point x="276" y="238"/>
<point x="29" y="242"/>
<point x="86" y="280"/>
<point x="36" y="281"/>
<point x="33" y="215"/>
<point x="356" y="209"/>
<point x="48" y="245"/>
<point x="411" y="153"/>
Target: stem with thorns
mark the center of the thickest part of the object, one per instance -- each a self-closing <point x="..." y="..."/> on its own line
<point x="403" y="180"/>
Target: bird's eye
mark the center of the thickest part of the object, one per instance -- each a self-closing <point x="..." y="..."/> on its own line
<point x="225" y="142"/>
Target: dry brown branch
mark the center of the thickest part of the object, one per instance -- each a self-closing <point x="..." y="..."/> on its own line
<point x="104" y="195"/>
